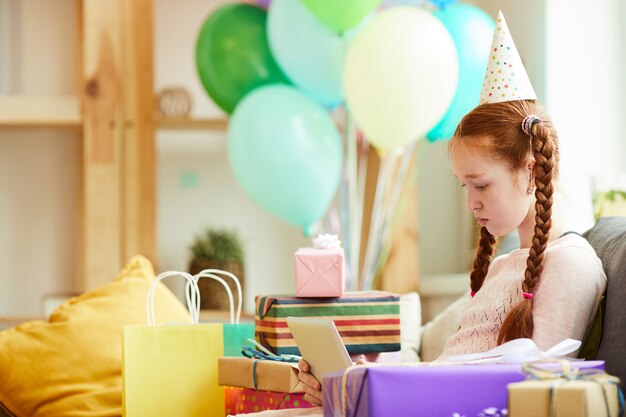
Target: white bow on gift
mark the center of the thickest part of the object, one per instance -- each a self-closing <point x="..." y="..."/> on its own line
<point x="519" y="351"/>
<point x="326" y="242"/>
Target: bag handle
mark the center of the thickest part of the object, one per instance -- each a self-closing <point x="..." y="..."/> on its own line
<point x="192" y="287"/>
<point x="237" y="284"/>
<point x="196" y="303"/>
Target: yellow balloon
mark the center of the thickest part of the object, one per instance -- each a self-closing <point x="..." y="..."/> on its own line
<point x="400" y="76"/>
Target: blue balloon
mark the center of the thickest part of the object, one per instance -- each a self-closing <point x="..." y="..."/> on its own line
<point x="286" y="153"/>
<point x="442" y="4"/>
<point x="471" y="30"/>
<point x="309" y="52"/>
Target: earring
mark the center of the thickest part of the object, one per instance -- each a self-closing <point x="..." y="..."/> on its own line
<point x="530" y="190"/>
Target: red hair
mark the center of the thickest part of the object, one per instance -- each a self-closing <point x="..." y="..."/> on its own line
<point x="494" y="130"/>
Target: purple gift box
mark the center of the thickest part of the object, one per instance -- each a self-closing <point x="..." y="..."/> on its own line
<point x="425" y="390"/>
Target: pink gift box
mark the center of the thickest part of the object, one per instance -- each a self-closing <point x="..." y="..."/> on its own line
<point x="244" y="400"/>
<point x="319" y="272"/>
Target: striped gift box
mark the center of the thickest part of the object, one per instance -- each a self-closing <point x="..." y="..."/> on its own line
<point x="368" y="322"/>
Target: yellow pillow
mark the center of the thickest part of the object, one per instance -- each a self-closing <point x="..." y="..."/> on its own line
<point x="71" y="365"/>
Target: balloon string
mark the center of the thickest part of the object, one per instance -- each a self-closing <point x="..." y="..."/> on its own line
<point x="354" y="230"/>
<point x="341" y="202"/>
<point x="364" y="149"/>
<point x="376" y="219"/>
<point x="399" y="180"/>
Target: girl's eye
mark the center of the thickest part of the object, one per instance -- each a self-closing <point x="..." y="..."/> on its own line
<point x="481" y="187"/>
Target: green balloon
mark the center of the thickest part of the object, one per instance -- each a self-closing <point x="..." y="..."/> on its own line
<point x="233" y="56"/>
<point x="341" y="14"/>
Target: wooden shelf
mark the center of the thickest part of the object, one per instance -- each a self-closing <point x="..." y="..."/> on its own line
<point x="193" y="124"/>
<point x="64" y="111"/>
<point x="40" y="111"/>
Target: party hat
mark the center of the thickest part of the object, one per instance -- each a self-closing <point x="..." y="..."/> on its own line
<point x="505" y="78"/>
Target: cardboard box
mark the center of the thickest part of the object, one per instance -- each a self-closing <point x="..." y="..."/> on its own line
<point x="563" y="398"/>
<point x="270" y="375"/>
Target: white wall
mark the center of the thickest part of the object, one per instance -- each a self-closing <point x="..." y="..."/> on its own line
<point x="196" y="189"/>
<point x="586" y="82"/>
<point x="37" y="196"/>
<point x="176" y="27"/>
<point x="446" y="244"/>
<point x="584" y="72"/>
<point x="38" y="166"/>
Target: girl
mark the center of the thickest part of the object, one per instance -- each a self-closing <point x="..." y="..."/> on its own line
<point x="506" y="155"/>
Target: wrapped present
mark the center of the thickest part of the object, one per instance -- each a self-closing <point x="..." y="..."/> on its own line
<point x="565" y="393"/>
<point x="258" y="374"/>
<point x="427" y="389"/>
<point x="367" y="321"/>
<point x="244" y="400"/>
<point x="320" y="269"/>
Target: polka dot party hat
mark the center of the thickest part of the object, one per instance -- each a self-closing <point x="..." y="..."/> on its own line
<point x="505" y="78"/>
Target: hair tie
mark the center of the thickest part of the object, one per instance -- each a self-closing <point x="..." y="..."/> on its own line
<point x="528" y="295"/>
<point x="473" y="293"/>
<point x="529" y="121"/>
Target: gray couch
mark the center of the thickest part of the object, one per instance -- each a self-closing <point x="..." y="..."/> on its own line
<point x="608" y="238"/>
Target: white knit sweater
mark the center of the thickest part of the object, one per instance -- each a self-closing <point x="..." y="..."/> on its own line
<point x="565" y="301"/>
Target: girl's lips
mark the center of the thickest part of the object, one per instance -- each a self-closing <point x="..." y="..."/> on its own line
<point x="482" y="222"/>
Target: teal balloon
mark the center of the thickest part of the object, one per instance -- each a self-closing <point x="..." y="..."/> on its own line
<point x="309" y="52"/>
<point x="233" y="56"/>
<point x="472" y="31"/>
<point x="286" y="153"/>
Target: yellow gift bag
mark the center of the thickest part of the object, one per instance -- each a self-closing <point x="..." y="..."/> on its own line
<point x="171" y="369"/>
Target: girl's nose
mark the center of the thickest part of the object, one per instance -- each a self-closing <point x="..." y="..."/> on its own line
<point x="473" y="204"/>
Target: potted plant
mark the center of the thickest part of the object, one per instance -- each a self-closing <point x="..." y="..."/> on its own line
<point x="216" y="248"/>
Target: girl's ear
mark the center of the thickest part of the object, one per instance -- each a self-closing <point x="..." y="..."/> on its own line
<point x="530" y="164"/>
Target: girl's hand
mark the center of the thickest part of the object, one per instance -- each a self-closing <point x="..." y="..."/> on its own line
<point x="312" y="387"/>
<point x="362" y="359"/>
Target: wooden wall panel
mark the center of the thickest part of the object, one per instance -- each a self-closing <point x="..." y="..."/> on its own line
<point x="102" y="138"/>
<point x="118" y="156"/>
<point x="139" y="185"/>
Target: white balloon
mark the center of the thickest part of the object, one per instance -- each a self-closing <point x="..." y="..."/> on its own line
<point x="400" y="76"/>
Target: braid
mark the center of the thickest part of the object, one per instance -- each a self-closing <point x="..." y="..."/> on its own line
<point x="519" y="322"/>
<point x="482" y="260"/>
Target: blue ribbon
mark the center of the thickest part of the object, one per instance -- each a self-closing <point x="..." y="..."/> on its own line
<point x="262" y="354"/>
<point x="252" y="353"/>
<point x="254" y="374"/>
